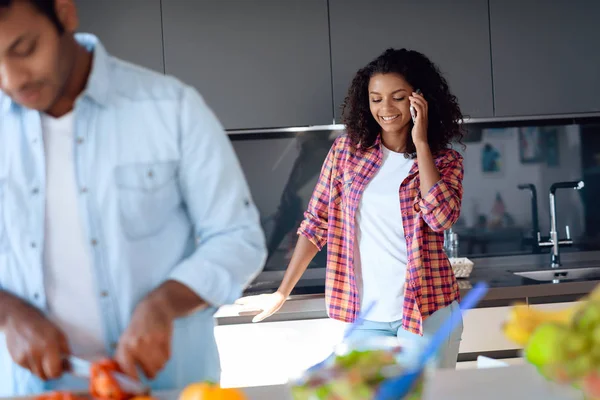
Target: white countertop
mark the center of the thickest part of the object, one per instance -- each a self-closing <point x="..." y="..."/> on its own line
<point x="513" y="383"/>
<point x="520" y="382"/>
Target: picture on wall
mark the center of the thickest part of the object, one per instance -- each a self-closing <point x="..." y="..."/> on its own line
<point x="530" y="145"/>
<point x="491" y="158"/>
<point x="551" y="148"/>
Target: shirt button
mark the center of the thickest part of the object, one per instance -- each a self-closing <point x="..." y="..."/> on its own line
<point x="104" y="293"/>
<point x="113" y="345"/>
<point x="408" y="236"/>
<point x="33" y="245"/>
<point x="150" y="174"/>
<point x="79" y="140"/>
<point x="36" y="296"/>
<point x="94" y="242"/>
<point x="35" y="191"/>
<point x="83" y="190"/>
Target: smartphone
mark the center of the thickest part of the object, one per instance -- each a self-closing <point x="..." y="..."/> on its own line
<point x="413" y="112"/>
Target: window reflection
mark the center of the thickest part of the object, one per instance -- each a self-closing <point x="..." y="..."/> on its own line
<point x="503" y="167"/>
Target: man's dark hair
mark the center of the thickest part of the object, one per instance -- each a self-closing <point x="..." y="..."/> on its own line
<point x="46" y="7"/>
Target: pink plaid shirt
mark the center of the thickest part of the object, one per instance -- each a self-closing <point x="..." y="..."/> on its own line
<point x="330" y="219"/>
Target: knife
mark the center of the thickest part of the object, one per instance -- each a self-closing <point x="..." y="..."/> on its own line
<point x="82" y="368"/>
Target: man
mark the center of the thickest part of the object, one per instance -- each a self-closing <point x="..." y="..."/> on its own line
<point x="125" y="218"/>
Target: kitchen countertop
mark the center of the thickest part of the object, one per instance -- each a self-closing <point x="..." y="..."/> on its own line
<point x="505" y="287"/>
<point x="513" y="382"/>
<point x="520" y="382"/>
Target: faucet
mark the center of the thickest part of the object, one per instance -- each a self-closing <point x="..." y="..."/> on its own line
<point x="554" y="241"/>
<point x="535" y="223"/>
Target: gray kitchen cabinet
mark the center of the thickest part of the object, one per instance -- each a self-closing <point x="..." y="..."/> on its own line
<point x="258" y="64"/>
<point x="129" y="29"/>
<point x="453" y="34"/>
<point x="545" y="56"/>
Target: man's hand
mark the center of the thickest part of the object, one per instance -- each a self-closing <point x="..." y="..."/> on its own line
<point x="147" y="340"/>
<point x="35" y="343"/>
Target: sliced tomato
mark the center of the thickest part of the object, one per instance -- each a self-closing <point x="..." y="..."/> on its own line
<point x="103" y="386"/>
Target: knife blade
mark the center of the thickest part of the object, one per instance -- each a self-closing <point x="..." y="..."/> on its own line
<point x="82" y="368"/>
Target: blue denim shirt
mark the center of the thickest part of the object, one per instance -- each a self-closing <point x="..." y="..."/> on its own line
<point x="162" y="196"/>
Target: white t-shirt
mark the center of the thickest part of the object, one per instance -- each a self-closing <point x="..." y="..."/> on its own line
<point x="68" y="276"/>
<point x="381" y="255"/>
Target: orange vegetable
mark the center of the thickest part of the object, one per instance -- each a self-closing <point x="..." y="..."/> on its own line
<point x="103" y="385"/>
<point x="210" y="391"/>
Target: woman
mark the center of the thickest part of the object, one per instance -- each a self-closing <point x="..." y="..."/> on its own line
<point x="387" y="191"/>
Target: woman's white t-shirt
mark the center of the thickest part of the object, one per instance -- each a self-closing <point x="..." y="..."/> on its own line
<point x="380" y="250"/>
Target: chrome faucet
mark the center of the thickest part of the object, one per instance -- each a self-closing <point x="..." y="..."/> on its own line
<point x="554" y="241"/>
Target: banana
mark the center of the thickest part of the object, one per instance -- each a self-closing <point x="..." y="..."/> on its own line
<point x="516" y="333"/>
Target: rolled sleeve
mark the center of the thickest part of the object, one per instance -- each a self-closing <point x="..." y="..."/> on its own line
<point x="440" y="207"/>
<point x="231" y="247"/>
<point x="312" y="228"/>
<point x="437" y="195"/>
<point x="214" y="283"/>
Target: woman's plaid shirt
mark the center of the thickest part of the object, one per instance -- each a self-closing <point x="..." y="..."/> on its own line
<point x="330" y="220"/>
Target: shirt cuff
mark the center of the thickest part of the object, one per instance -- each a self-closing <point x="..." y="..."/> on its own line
<point x="212" y="283"/>
<point x="309" y="231"/>
<point x="438" y="194"/>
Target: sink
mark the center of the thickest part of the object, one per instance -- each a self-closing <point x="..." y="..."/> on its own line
<point x="558" y="274"/>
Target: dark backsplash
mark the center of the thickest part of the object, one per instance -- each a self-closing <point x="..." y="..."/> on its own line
<point x="496" y="217"/>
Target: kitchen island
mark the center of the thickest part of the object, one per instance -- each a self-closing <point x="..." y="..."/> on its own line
<point x="513" y="382"/>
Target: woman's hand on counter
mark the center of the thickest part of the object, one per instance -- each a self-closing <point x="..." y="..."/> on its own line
<point x="266" y="304"/>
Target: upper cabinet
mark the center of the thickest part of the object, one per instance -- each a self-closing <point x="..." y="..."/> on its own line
<point x="129" y="29"/>
<point x="453" y="34"/>
<point x="285" y="63"/>
<point x="258" y="64"/>
<point x="545" y="56"/>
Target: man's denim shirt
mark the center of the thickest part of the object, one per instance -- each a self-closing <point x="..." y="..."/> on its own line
<point x="162" y="196"/>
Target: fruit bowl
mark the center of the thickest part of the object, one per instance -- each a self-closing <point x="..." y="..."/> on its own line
<point x="563" y="345"/>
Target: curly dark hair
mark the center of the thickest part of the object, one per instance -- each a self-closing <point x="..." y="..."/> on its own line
<point x="444" y="112"/>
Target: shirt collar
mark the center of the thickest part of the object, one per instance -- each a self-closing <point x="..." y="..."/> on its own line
<point x="376" y="148"/>
<point x="98" y="84"/>
<point x="376" y="144"/>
